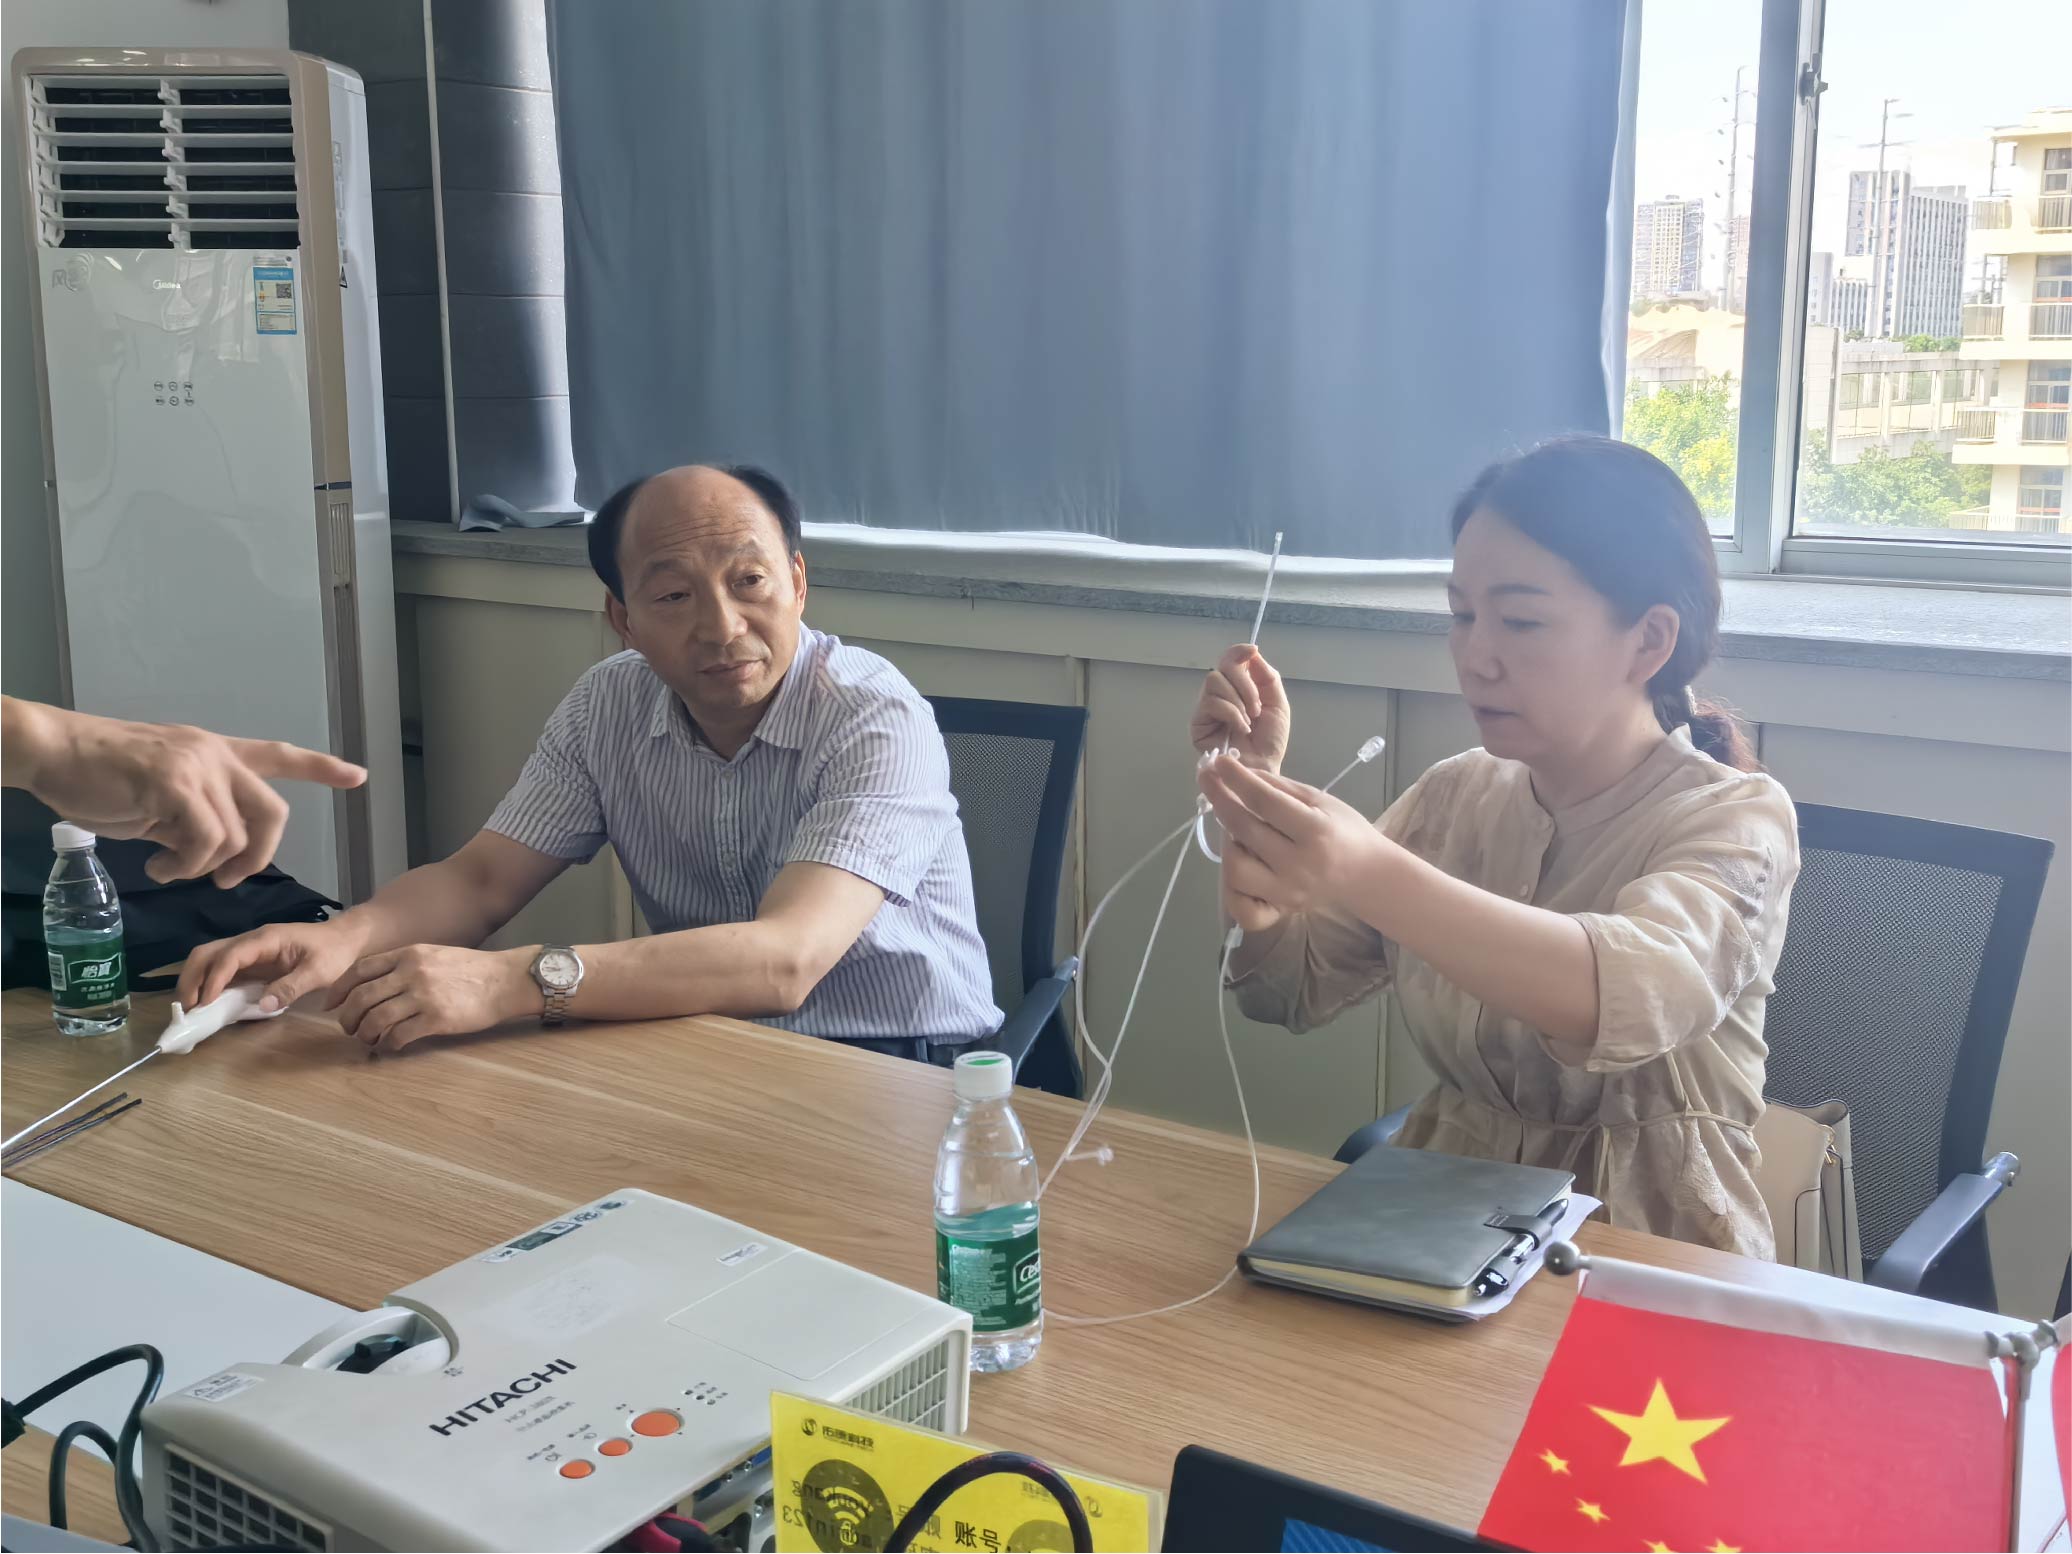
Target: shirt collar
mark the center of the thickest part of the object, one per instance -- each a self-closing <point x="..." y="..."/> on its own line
<point x="1654" y="769"/>
<point x="783" y="725"/>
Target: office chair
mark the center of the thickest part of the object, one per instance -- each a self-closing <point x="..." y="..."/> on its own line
<point x="1893" y="995"/>
<point x="1013" y="768"/>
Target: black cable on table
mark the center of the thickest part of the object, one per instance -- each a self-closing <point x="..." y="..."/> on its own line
<point x="129" y="1494"/>
<point x="61" y="1454"/>
<point x="936" y="1494"/>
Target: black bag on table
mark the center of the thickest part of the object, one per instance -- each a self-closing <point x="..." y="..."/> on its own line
<point x="161" y="924"/>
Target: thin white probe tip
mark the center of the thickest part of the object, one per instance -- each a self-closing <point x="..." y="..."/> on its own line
<point x="1273" y="563"/>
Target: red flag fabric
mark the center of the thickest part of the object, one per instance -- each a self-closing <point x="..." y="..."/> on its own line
<point x="2061" y="1418"/>
<point x="1660" y="1431"/>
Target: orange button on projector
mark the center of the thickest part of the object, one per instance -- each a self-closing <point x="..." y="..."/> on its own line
<point x="615" y="1447"/>
<point x="657" y="1421"/>
<point x="578" y="1469"/>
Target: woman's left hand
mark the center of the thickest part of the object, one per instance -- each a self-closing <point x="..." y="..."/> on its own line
<point x="1290" y="845"/>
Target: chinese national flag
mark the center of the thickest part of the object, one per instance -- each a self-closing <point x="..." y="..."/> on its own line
<point x="1658" y="1431"/>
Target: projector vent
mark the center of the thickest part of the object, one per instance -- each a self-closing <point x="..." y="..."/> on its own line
<point x="206" y="1510"/>
<point x="918" y="1393"/>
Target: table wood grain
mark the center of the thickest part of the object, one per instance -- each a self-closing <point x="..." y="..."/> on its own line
<point x="284" y="1148"/>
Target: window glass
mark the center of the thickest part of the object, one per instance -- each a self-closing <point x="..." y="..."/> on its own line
<point x="1932" y="269"/>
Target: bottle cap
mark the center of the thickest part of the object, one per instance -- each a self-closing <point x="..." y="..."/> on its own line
<point x="983" y="1076"/>
<point x="65" y="837"/>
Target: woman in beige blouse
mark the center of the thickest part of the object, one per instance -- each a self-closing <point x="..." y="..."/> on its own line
<point x="1580" y="919"/>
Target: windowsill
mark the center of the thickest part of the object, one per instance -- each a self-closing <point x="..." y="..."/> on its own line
<point x="1869" y="625"/>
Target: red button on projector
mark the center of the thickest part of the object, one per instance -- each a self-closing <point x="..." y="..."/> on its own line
<point x="578" y="1469"/>
<point x="615" y="1447"/>
<point x="659" y="1421"/>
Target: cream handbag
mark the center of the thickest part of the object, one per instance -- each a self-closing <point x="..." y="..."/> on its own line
<point x="1808" y="1185"/>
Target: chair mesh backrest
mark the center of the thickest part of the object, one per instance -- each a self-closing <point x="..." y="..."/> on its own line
<point x="998" y="780"/>
<point x="1873" y="990"/>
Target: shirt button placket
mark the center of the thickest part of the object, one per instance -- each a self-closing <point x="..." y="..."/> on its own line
<point x="730" y="832"/>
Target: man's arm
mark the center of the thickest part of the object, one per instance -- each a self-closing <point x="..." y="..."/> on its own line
<point x="806" y="921"/>
<point x="460" y="900"/>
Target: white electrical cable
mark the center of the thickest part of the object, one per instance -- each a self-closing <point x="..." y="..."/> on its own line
<point x="1230" y="944"/>
<point x="1368" y="751"/>
<point x="1099" y="1096"/>
<point x="1210" y="851"/>
<point x="1273" y="565"/>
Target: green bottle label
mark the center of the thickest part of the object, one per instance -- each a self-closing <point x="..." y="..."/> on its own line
<point x="999" y="1282"/>
<point x="87" y="976"/>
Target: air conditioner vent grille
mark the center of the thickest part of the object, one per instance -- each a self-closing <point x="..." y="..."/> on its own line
<point x="165" y="161"/>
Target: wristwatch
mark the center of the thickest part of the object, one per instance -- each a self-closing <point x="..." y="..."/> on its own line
<point x="558" y="970"/>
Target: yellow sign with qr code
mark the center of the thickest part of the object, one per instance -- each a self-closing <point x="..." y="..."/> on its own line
<point x="843" y="1480"/>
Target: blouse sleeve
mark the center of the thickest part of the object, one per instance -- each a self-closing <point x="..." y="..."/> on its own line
<point x="1313" y="966"/>
<point x="1684" y="941"/>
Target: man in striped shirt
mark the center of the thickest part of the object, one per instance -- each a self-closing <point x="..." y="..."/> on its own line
<point x="779" y="801"/>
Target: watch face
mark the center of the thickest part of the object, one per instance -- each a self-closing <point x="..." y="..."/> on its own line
<point x="559" y="969"/>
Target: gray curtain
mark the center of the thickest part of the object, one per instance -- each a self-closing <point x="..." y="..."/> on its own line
<point x="1179" y="272"/>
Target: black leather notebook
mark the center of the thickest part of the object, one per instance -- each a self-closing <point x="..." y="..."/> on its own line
<point x="1411" y="1227"/>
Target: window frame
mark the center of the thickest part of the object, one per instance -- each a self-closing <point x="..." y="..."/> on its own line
<point x="1788" y="89"/>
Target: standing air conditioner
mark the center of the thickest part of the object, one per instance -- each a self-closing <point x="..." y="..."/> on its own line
<point x="206" y="337"/>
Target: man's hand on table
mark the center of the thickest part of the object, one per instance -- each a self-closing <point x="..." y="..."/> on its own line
<point x="388" y="999"/>
<point x="396" y="997"/>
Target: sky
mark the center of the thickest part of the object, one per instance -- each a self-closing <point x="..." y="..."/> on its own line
<point x="1959" y="67"/>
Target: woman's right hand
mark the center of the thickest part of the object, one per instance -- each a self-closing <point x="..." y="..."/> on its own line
<point x="293" y="959"/>
<point x="1243" y="707"/>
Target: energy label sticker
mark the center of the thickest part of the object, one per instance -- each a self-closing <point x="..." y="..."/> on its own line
<point x="273" y="298"/>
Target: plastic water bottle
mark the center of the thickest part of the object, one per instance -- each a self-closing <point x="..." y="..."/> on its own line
<point x="987" y="1258"/>
<point x="82" y="930"/>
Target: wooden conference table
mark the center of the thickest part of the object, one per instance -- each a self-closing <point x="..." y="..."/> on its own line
<point x="286" y="1149"/>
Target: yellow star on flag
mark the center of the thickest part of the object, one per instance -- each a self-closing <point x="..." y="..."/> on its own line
<point x="1656" y="1434"/>
<point x="1593" y="1511"/>
<point x="1554" y="1464"/>
<point x="1656" y="1546"/>
<point x="1721" y="1546"/>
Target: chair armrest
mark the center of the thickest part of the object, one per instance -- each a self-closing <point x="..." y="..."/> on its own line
<point x="1379" y="1131"/>
<point x="1935" y="1230"/>
<point x="1019" y="1031"/>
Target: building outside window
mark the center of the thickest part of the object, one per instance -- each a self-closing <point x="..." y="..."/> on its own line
<point x="2042" y="499"/>
<point x="2032" y="349"/>
<point x="1923" y="220"/>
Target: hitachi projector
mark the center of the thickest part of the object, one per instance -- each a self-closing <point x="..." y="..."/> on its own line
<point x="555" y="1392"/>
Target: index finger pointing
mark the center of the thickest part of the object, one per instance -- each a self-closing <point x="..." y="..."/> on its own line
<point x="276" y="758"/>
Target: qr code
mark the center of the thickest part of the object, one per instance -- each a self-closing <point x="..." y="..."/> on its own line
<point x="284" y="291"/>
